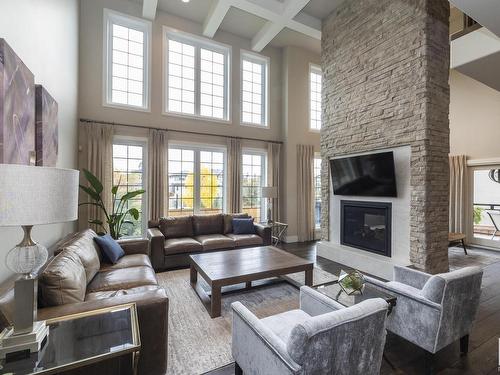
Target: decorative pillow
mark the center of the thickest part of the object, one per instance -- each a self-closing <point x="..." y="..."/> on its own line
<point x="243" y="226"/>
<point x="175" y="227"/>
<point x="228" y="221"/>
<point x="110" y="248"/>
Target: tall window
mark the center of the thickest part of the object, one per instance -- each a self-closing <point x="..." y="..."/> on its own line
<point x="254" y="89"/>
<point x="315" y="97"/>
<point x="197" y="76"/>
<point x="253" y="179"/>
<point x="196" y="180"/>
<point x="317" y="192"/>
<point x="127" y="53"/>
<point x="128" y="173"/>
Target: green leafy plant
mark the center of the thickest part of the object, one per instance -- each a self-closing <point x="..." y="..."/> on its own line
<point x="119" y="213"/>
<point x="477" y="214"/>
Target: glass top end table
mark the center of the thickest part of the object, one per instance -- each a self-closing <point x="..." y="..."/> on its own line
<point x="82" y="339"/>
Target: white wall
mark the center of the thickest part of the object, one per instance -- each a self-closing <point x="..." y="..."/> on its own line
<point x="44" y="34"/>
<point x="474" y="118"/>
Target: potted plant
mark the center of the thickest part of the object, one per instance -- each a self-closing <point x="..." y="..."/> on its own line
<point x="119" y="212"/>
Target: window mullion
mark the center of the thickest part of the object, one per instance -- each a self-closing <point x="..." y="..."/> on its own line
<point x="196" y="180"/>
<point x="197" y="78"/>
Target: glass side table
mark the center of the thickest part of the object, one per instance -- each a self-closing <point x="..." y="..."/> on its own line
<point x="278" y="231"/>
<point x="82" y="339"/>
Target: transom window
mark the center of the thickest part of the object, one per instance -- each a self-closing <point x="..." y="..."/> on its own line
<point x="254" y="89"/>
<point x="197" y="76"/>
<point x="315" y="97"/>
<point x="127" y="50"/>
<point x="196" y="180"/>
<point x="317" y="191"/>
<point x="253" y="179"/>
<point x="128" y="173"/>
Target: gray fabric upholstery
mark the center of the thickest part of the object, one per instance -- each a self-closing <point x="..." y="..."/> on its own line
<point x="434" y="311"/>
<point x="341" y="341"/>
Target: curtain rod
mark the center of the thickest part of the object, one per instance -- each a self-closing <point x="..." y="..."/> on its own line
<point x="177" y="131"/>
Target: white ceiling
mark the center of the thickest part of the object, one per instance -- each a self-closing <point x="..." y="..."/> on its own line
<point x="248" y="25"/>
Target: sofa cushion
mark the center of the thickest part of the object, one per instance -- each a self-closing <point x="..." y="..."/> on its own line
<point x="179" y="226"/>
<point x="122" y="278"/>
<point x="181" y="245"/>
<point x="215" y="241"/>
<point x="63" y="280"/>
<point x="110" y="248"/>
<point x="246" y="239"/>
<point x="132" y="260"/>
<point x="83" y="245"/>
<point x="208" y="224"/>
<point x="121" y="292"/>
<point x="228" y="221"/>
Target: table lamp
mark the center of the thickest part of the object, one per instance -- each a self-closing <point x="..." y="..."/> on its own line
<point x="269" y="192"/>
<point x="31" y="196"/>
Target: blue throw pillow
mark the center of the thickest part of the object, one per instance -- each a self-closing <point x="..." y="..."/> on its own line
<point x="243" y="226"/>
<point x="110" y="248"/>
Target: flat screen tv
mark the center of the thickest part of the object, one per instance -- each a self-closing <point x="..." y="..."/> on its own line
<point x="365" y="175"/>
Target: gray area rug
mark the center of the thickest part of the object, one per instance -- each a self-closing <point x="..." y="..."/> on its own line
<point x="198" y="343"/>
<point x="475" y="257"/>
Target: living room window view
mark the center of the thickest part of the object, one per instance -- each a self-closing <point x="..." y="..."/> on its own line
<point x="249" y="187"/>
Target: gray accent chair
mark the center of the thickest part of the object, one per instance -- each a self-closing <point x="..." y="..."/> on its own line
<point x="433" y="311"/>
<point x="322" y="337"/>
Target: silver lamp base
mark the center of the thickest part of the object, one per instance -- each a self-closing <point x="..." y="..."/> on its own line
<point x="32" y="341"/>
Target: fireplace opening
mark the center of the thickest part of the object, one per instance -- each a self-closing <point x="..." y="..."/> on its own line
<point x="366" y="226"/>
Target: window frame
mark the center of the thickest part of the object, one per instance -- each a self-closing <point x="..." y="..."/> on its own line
<point x="198" y="148"/>
<point x="136" y="141"/>
<point x="266" y="62"/>
<point x="264" y="166"/>
<point x="198" y="42"/>
<point x="313" y="68"/>
<point x="113" y="17"/>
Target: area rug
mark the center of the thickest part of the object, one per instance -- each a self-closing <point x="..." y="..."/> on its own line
<point x="475" y="257"/>
<point x="198" y="343"/>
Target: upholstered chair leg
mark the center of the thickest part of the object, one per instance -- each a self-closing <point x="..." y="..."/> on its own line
<point x="429" y="363"/>
<point x="464" y="345"/>
<point x="237" y="369"/>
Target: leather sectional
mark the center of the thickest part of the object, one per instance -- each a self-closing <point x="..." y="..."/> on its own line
<point x="173" y="239"/>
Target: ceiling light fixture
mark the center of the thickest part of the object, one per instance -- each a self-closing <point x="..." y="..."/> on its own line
<point x="185" y="1"/>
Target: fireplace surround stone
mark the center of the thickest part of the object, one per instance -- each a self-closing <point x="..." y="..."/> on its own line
<point x="385" y="84"/>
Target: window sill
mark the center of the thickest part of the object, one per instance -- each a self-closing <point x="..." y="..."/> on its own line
<point x="126" y="107"/>
<point x="316" y="131"/>
<point x="264" y="127"/>
<point x="196" y="117"/>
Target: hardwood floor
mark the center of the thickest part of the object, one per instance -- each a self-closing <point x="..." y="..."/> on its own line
<point x="408" y="358"/>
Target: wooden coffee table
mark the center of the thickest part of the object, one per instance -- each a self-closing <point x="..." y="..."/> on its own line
<point x="230" y="267"/>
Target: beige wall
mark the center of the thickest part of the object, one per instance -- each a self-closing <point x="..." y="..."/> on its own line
<point x="296" y="131"/>
<point x="91" y="60"/>
<point x="474" y="118"/>
<point x="45" y="36"/>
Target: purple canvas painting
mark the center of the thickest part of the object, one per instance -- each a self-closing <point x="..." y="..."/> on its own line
<point x="46" y="128"/>
<point x="17" y="109"/>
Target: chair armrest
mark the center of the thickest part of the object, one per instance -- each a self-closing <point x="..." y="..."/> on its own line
<point x="314" y="303"/>
<point x="157" y="245"/>
<point x="135" y="246"/>
<point x="252" y="337"/>
<point x="264" y="231"/>
<point x="410" y="276"/>
<point x="402" y="290"/>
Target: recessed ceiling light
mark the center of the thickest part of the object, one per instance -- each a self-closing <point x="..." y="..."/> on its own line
<point x="185" y="1"/>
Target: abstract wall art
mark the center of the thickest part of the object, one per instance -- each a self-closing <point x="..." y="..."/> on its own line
<point x="17" y="109"/>
<point x="46" y="138"/>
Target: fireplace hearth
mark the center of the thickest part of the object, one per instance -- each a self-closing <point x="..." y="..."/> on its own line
<point x="366" y="226"/>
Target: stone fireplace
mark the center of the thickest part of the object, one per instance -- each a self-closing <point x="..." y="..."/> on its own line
<point x="385" y="87"/>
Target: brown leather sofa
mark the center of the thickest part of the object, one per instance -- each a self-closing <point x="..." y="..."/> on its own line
<point x="173" y="239"/>
<point x="77" y="280"/>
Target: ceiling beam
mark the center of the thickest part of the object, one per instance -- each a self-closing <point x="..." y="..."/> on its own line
<point x="149" y="9"/>
<point x="215" y="17"/>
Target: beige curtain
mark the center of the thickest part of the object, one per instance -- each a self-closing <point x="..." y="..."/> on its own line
<point x="157" y="173"/>
<point x="234" y="175"/>
<point x="273" y="176"/>
<point x="97" y="142"/>
<point x="458" y="193"/>
<point x="305" y="193"/>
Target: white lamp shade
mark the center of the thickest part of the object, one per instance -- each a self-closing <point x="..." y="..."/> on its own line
<point x="270" y="192"/>
<point x="37" y="195"/>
